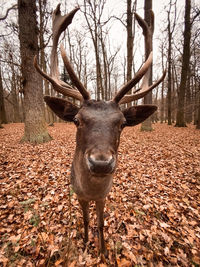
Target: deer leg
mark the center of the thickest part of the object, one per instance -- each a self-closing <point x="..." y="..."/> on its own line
<point x="85" y="209"/>
<point x="100" y="222"/>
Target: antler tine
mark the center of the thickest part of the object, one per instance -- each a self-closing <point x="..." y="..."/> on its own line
<point x="142" y="92"/>
<point x="138" y="76"/>
<point x="144" y="71"/>
<point x="60" y="23"/>
<point x="148" y="33"/>
<point x="73" y="75"/>
<point x="65" y="90"/>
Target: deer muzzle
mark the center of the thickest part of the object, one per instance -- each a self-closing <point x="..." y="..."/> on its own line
<point x="101" y="163"/>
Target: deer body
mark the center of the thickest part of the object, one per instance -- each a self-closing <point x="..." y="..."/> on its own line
<point x="96" y="147"/>
<point x="99" y="125"/>
<point x="97" y="140"/>
<point x="90" y="187"/>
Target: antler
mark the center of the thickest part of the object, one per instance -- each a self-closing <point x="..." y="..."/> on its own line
<point x="144" y="90"/>
<point x="138" y="76"/>
<point x="60" y="23"/>
<point x="73" y="76"/>
<point x="144" y="72"/>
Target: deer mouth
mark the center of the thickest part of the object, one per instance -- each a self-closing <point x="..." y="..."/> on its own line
<point x="99" y="167"/>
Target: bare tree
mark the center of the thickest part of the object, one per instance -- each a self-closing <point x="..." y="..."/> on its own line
<point x="93" y="15"/>
<point x="104" y="60"/>
<point x="11" y="77"/>
<point x="7" y="12"/>
<point x="180" y="116"/>
<point x="78" y="52"/>
<point x="130" y="29"/>
<point x="149" y="18"/>
<point x="129" y="24"/>
<point x="170" y="30"/>
<point x="43" y="18"/>
<point x="198" y="114"/>
<point x="35" y="128"/>
<point x="162" y="108"/>
<point x="14" y="93"/>
<point x="195" y="65"/>
<point x="2" y="106"/>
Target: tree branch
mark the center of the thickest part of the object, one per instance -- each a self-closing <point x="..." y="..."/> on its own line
<point x="8" y="10"/>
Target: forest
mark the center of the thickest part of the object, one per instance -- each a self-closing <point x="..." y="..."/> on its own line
<point x="75" y="76"/>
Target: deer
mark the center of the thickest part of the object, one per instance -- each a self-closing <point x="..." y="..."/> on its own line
<point x="99" y="124"/>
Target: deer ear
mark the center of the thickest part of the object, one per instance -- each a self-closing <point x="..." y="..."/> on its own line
<point x="62" y="108"/>
<point x="137" y="114"/>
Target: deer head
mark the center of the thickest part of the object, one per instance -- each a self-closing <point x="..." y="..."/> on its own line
<point x="99" y="124"/>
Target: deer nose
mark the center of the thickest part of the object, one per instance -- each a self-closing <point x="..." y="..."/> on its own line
<point x="101" y="163"/>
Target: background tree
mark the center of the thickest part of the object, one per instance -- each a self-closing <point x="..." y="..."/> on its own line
<point x="194" y="105"/>
<point x="170" y="30"/>
<point x="7" y="11"/>
<point x="3" y="118"/>
<point x="2" y="106"/>
<point x="149" y="18"/>
<point x="130" y="29"/>
<point x="198" y="110"/>
<point x="14" y="93"/>
<point x="129" y="24"/>
<point x="93" y="15"/>
<point x="162" y="101"/>
<point x="180" y="117"/>
<point x="98" y="25"/>
<point x="11" y="77"/>
<point x="35" y="128"/>
<point x="43" y="23"/>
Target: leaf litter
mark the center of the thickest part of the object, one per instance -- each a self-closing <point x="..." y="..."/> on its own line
<point x="152" y="214"/>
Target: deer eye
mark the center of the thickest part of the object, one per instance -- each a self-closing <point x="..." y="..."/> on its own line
<point x="76" y="121"/>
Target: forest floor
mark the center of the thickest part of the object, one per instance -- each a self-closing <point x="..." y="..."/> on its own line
<point x="152" y="211"/>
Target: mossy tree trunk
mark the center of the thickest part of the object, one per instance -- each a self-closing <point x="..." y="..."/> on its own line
<point x="35" y="126"/>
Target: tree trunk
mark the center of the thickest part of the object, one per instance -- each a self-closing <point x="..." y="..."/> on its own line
<point x="129" y="29"/>
<point x="189" y="105"/>
<point x="180" y="118"/>
<point x="162" y="89"/>
<point x="94" y="29"/>
<point x="173" y="102"/>
<point x="198" y="114"/>
<point x="130" y="39"/>
<point x="105" y="66"/>
<point x="2" y="106"/>
<point x="15" y="101"/>
<point x="196" y="100"/>
<point x="42" y="5"/>
<point x="147" y="125"/>
<point x="169" y="92"/>
<point x="170" y="30"/>
<point x="35" y="127"/>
